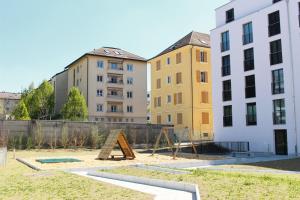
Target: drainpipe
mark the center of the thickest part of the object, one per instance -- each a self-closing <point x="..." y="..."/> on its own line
<point x="192" y="88"/>
<point x="87" y="81"/>
<point x="293" y="78"/>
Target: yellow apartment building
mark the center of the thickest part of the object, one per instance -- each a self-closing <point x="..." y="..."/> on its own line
<point x="181" y="86"/>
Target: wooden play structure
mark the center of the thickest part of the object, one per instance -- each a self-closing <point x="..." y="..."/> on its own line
<point x="175" y="141"/>
<point x="116" y="137"/>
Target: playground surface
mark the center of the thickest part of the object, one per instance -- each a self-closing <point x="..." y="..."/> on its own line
<point x="88" y="158"/>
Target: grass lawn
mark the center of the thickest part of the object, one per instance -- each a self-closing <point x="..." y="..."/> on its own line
<point x="20" y="182"/>
<point x="230" y="185"/>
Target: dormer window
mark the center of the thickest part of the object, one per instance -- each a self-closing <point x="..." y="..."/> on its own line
<point x="229" y="15"/>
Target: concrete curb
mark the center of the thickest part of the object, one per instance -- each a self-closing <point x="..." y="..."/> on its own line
<point x="28" y="164"/>
<point x="192" y="188"/>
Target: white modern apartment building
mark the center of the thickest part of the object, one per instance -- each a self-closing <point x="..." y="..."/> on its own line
<point x="256" y="60"/>
<point x="114" y="84"/>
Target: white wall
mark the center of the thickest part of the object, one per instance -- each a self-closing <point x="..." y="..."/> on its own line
<point x="261" y="137"/>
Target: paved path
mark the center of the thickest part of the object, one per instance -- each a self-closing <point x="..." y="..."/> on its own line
<point x="159" y="193"/>
<point x="253" y="170"/>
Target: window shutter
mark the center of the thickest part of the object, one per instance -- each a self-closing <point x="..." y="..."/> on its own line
<point x="198" y="76"/>
<point x="204" y="97"/>
<point x="205" y="56"/>
<point x="158" y="119"/>
<point x="175" y="99"/>
<point x="180" y="98"/>
<point x="155" y="105"/>
<point x="157" y="65"/>
<point x="205" y="118"/>
<point x="206" y="77"/>
<point x="158" y="84"/>
<point x="179" y="118"/>
<point x="198" y="55"/>
<point x="159" y="101"/>
<point x="178" y="78"/>
<point x="178" y="58"/>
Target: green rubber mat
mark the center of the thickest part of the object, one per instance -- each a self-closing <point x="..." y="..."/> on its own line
<point x="57" y="160"/>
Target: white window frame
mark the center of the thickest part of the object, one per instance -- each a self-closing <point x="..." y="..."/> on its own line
<point x="99" y="108"/>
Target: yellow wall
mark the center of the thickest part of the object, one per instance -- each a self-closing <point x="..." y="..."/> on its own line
<point x="189" y="61"/>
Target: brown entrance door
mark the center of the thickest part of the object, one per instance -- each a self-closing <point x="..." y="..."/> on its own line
<point x="281" y="146"/>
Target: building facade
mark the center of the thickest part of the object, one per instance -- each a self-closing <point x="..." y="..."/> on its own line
<point x="114" y="84"/>
<point x="8" y="102"/>
<point x="60" y="84"/>
<point x="181" y="86"/>
<point x="255" y="57"/>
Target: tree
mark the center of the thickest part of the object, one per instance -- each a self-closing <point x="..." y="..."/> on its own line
<point x="21" y="112"/>
<point x="75" y="109"/>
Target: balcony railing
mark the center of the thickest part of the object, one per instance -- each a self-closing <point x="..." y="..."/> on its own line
<point x="115" y="111"/>
<point x="226" y="70"/>
<point x="225" y="46"/>
<point x="115" y="96"/>
<point x="119" y="82"/>
<point x="274" y="29"/>
<point x="227" y="96"/>
<point x="227" y="121"/>
<point x="116" y="68"/>
<point x="251" y="120"/>
<point x="248" y="64"/>
<point x="279" y="117"/>
<point x="276" y="58"/>
<point x="278" y="87"/>
<point x="247" y="38"/>
<point x="250" y="92"/>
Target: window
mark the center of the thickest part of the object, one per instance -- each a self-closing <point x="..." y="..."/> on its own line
<point x="204" y="97"/>
<point x="229" y="15"/>
<point x="274" y="23"/>
<point x="157" y="102"/>
<point x="113" y="108"/>
<point x="158" y="65"/>
<point x="277" y="82"/>
<point x="114" y="66"/>
<point x="168" y="61"/>
<point x="201" y="56"/>
<point x="169" y="118"/>
<point x="275" y="52"/>
<point x="178" y="58"/>
<point x="169" y="99"/>
<point x="250" y="86"/>
<point x="178" y="78"/>
<point x="169" y="80"/>
<point x="129" y="81"/>
<point x="99" y="108"/>
<point x="177" y="98"/>
<point x="100" y="64"/>
<point x="77" y="69"/>
<point x="77" y="82"/>
<point x="227" y="90"/>
<point x="227" y="116"/>
<point x="129" y="109"/>
<point x="251" y="114"/>
<point x="279" y="111"/>
<point x="299" y="13"/>
<point x="205" y="118"/>
<point x="158" y="119"/>
<point x="130" y="67"/>
<point x="179" y="118"/>
<point x="248" y="59"/>
<point x="129" y="95"/>
<point x="225" y="44"/>
<point x="226" y="71"/>
<point x="158" y="83"/>
<point x="99" y="93"/>
<point x="247" y="33"/>
<point x="99" y="78"/>
<point x="204" y="77"/>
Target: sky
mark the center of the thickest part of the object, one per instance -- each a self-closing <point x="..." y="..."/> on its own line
<point x="38" y="38"/>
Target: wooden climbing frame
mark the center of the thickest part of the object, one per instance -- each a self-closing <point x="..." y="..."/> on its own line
<point x="116" y="137"/>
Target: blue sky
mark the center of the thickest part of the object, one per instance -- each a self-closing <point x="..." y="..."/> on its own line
<point x="38" y="38"/>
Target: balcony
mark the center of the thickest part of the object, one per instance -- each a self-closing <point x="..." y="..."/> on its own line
<point x="251" y="120"/>
<point x="278" y="87"/>
<point x="248" y="64"/>
<point x="118" y="98"/>
<point x="279" y="117"/>
<point x="115" y="67"/>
